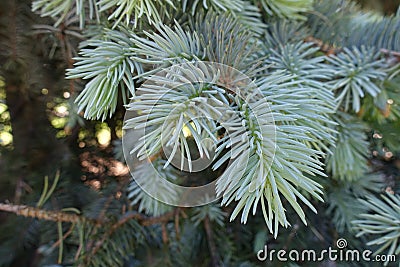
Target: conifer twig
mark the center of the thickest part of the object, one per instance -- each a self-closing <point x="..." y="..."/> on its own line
<point x="48" y="215"/>
<point x="391" y="53"/>
<point x="68" y="233"/>
<point x="329" y="49"/>
<point x="60" y="216"/>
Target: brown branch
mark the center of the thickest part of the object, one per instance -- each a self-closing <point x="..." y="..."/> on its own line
<point x="164" y="233"/>
<point x="156" y="220"/>
<point x="323" y="47"/>
<point x="176" y="222"/>
<point x="48" y="215"/>
<point x="211" y="244"/>
<point x="123" y="220"/>
<point x="143" y="220"/>
<point x="395" y="56"/>
<point x="332" y="50"/>
<point x="68" y="233"/>
<point x="60" y="216"/>
<point x="390" y="53"/>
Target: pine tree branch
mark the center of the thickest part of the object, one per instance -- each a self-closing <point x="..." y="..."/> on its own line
<point x="48" y="215"/>
<point x="59" y="216"/>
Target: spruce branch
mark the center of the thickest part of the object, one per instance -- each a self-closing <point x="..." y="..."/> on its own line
<point x="348" y="160"/>
<point x="340" y="193"/>
<point x="295" y="114"/>
<point x="230" y="45"/>
<point x="190" y="103"/>
<point x="382" y="222"/>
<point x="250" y="17"/>
<point x="264" y="179"/>
<point x="358" y="72"/>
<point x="61" y="216"/>
<point x="244" y="11"/>
<point x="227" y="41"/>
<point x="168" y="46"/>
<point x="329" y="49"/>
<point x="213" y="212"/>
<point x="345" y="24"/>
<point x="282" y="32"/>
<point x="59" y="10"/>
<point x="26" y="211"/>
<point x="106" y="62"/>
